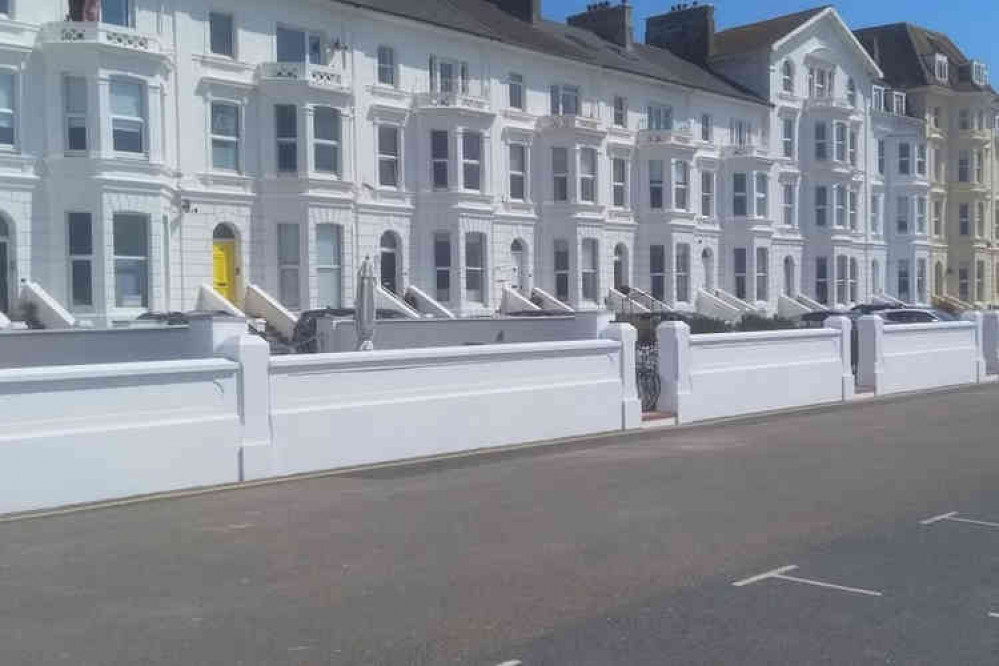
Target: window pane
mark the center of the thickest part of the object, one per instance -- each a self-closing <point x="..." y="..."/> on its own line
<point x="286" y="118"/>
<point x="76" y="95"/>
<point x="127" y="136"/>
<point x="327" y="245"/>
<point x="130" y="236"/>
<point x="131" y="283"/>
<point x="115" y="12"/>
<point x="288" y="244"/>
<point x="80" y="234"/>
<point x="327" y="124"/>
<point x="517" y="158"/>
<point x="221" y="33"/>
<point x="290" y="45"/>
<point x="76" y="133"/>
<point x="438" y="145"/>
<point x="287" y="157"/>
<point x="225" y="119"/>
<point x="288" y="287"/>
<point x="327" y="158"/>
<point x="560" y="160"/>
<point x="126" y="99"/>
<point x="83" y="282"/>
<point x="225" y="155"/>
<point x="388" y="173"/>
<point x="388" y="140"/>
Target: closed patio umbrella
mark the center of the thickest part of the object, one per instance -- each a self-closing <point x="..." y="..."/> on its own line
<point x="364" y="306"/>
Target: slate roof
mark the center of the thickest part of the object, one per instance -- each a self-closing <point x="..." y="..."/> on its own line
<point x="905" y="53"/>
<point x="483" y="19"/>
<point x="763" y="34"/>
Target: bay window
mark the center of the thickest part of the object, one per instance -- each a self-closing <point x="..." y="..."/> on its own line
<point x="656" y="184"/>
<point x="8" y="109"/>
<point x="588" y="175"/>
<point x="388" y="155"/>
<point x="442" y="266"/>
<point x="475" y="257"/>
<point x="562" y="270"/>
<point x="822" y="280"/>
<point x="588" y="269"/>
<point x="75" y="101"/>
<point x="681" y="184"/>
<point x="440" y="153"/>
<point x="762" y="274"/>
<point x="518" y="171"/>
<point x="787" y="204"/>
<point x="471" y="160"/>
<point x="740" y="194"/>
<point x="289" y="265"/>
<point x="739" y="272"/>
<point x="681" y="272"/>
<point x="707" y="193"/>
<point x="657" y="271"/>
<point x="81" y="259"/>
<point x="762" y="195"/>
<point x="560" y="174"/>
<point x="821" y="205"/>
<point x="619" y="176"/>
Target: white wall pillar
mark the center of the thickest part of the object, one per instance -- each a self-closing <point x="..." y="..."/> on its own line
<point x="631" y="407"/>
<point x="845" y="328"/>
<point x="674" y="367"/>
<point x="980" y="365"/>
<point x="256" y="452"/>
<point x="990" y="341"/>
<point x="870" y="362"/>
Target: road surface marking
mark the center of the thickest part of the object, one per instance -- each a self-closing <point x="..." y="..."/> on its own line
<point x="994" y="615"/>
<point x="937" y="519"/>
<point x="764" y="576"/>
<point x="511" y="663"/>
<point x="953" y="517"/>
<point x="780" y="575"/>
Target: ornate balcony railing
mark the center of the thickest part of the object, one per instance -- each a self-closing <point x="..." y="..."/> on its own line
<point x="451" y="100"/>
<point x="101" y="33"/>
<point x="319" y="76"/>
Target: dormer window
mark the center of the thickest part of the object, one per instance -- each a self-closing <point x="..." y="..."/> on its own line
<point x="979" y="73"/>
<point x="898" y="103"/>
<point x="820" y="82"/>
<point x="941" y="68"/>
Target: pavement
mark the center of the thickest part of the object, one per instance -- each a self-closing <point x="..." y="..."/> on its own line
<point x="618" y="550"/>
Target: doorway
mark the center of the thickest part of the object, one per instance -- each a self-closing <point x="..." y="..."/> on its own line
<point x="390" y="262"/>
<point x="789" y="285"/>
<point x="620" y="267"/>
<point x="224" y="262"/>
<point x="4" y="266"/>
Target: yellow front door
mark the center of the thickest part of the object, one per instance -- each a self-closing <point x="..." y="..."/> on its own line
<point x="224" y="268"/>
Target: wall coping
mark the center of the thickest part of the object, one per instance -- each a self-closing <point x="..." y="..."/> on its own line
<point x="934" y="326"/>
<point x="109" y="370"/>
<point x="762" y="336"/>
<point x="442" y="354"/>
<point x="91" y="331"/>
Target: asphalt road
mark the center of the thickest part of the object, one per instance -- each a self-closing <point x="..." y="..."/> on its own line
<point x="620" y="551"/>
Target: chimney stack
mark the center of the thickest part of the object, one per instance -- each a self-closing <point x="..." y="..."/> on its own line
<point x="525" y="10"/>
<point x="688" y="30"/>
<point x="611" y="23"/>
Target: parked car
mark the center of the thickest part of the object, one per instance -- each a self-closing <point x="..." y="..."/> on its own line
<point x="909" y="316"/>
<point x="816" y="319"/>
<point x="872" y="308"/>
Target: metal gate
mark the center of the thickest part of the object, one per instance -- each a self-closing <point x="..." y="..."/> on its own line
<point x="647" y="373"/>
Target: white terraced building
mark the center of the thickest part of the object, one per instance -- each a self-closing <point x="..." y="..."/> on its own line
<point x="473" y="150"/>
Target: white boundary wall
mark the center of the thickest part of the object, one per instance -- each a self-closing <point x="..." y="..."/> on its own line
<point x="727" y="374"/>
<point x="71" y="434"/>
<point x="910" y="357"/>
<point x="353" y="408"/>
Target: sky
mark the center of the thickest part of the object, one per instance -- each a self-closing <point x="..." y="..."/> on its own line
<point x="972" y="24"/>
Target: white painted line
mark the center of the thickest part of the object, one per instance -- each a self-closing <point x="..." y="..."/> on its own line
<point x="937" y="519"/>
<point x="763" y="576"/>
<point x="511" y="663"/>
<point x="996" y="615"/>
<point x="974" y="522"/>
<point x="819" y="583"/>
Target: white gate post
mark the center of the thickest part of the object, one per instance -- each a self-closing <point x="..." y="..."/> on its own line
<point x="673" y="338"/>
<point x="976" y="318"/>
<point x="990" y="341"/>
<point x="254" y="357"/>
<point x="870" y="358"/>
<point x="845" y="328"/>
<point x="631" y="407"/>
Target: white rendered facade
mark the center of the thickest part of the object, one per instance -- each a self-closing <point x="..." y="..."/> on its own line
<point x="211" y="120"/>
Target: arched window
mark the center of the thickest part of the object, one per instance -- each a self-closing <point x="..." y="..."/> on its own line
<point x="787" y="76"/>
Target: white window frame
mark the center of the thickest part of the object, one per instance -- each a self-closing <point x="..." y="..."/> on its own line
<point x="475" y="272"/>
<point x="386" y="73"/>
<point x="941" y="67"/>
<point x="619" y="178"/>
<point x="980" y="219"/>
<point x="839" y="202"/>
<point x="882" y="157"/>
<point x="787" y="204"/>
<point x="620" y="111"/>
<point x="233" y="141"/>
<point x="322" y="144"/>
<point x="822" y="206"/>
<point x="518" y="174"/>
<point x="787" y="137"/>
<point x="79" y="258"/>
<point x="681" y="185"/>
<point x="852" y="208"/>
<point x="740" y="195"/>
<point x="560" y="95"/>
<point x="309" y="37"/>
<point x="289" y="272"/>
<point x="707" y="193"/>
<point x="472" y="176"/>
<point x="964" y="219"/>
<point x="921" y="159"/>
<point x="386" y="158"/>
<point x="560" y="249"/>
<point x="589" y="165"/>
<point x="821" y="141"/>
<point x="329" y="270"/>
<point x="589" y="269"/>
<point x="921" y="215"/>
<point x="878" y="98"/>
<point x="787" y="76"/>
<point x="440" y="178"/>
<point x="125" y="120"/>
<point x="657" y="278"/>
<point x="762" y="274"/>
<point x="708" y="130"/>
<point x="282" y="140"/>
<point x="902" y="215"/>
<point x="839" y="141"/>
<point x="904" y="158"/>
<point x="657" y="192"/>
<point x="659" y="117"/>
<point x="442" y="266"/>
<point x="681" y="273"/>
<point x="212" y="15"/>
<point x="560" y="178"/>
<point x="75" y="118"/>
<point x="143" y="261"/>
<point x="938" y="217"/>
<point x="761" y="192"/>
<point x="515" y="91"/>
<point x="876" y="213"/>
